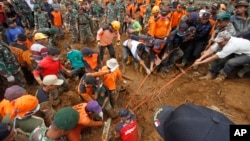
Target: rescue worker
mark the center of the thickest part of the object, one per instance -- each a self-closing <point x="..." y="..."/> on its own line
<point x="149" y="11"/>
<point x="96" y="15"/>
<point x="223" y="54"/>
<point x="199" y="40"/>
<point x="240" y="20"/>
<point x="48" y="97"/>
<point x="83" y="22"/>
<point x="23" y="119"/>
<point x="176" y="16"/>
<point x="39" y="49"/>
<point x="57" y="21"/>
<point x="50" y="33"/>
<point x="111" y="12"/>
<point x="216" y="11"/>
<point x="86" y="111"/>
<point x="110" y="74"/>
<point x="23" y="55"/>
<point x="12" y="31"/>
<point x="86" y="88"/>
<point x="71" y="22"/>
<point x="10" y="69"/>
<point x="127" y="129"/>
<point x="102" y="96"/>
<point x="138" y="51"/>
<point x="122" y="13"/>
<point x="75" y="59"/>
<point x="105" y="36"/>
<point x="91" y="60"/>
<point x="41" y="18"/>
<point x="51" y="65"/>
<point x="134" y="26"/>
<point x="65" y="119"/>
<point x="162" y="27"/>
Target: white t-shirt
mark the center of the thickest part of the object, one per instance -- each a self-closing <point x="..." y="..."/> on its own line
<point x="133" y="48"/>
<point x="234" y="45"/>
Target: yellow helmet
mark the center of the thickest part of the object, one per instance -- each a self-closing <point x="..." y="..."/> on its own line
<point x="39" y="36"/>
<point x="155" y="9"/>
<point x="116" y="25"/>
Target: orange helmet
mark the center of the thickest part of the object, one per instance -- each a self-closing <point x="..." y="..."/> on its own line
<point x="155" y="9"/>
<point x="116" y="25"/>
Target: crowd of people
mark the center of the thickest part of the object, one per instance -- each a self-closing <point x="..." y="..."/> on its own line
<point x="159" y="36"/>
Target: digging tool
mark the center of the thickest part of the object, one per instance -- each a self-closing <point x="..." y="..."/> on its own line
<point x="106" y="127"/>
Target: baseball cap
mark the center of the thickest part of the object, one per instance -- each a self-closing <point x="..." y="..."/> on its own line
<point x="205" y="15"/>
<point x="190" y="122"/>
<point x="25" y="105"/>
<point x="224" y="17"/>
<point x="87" y="51"/>
<point x="4" y="131"/>
<point x="112" y="64"/>
<point x="90" y="80"/>
<point x="215" y="6"/>
<point x="222" y="36"/>
<point x="52" y="80"/>
<point x="39" y="36"/>
<point x="124" y="113"/>
<point x="94" y="107"/>
<point x="66" y="118"/>
<point x="14" y="92"/>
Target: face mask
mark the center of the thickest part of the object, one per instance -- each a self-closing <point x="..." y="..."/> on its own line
<point x="101" y="114"/>
<point x="55" y="58"/>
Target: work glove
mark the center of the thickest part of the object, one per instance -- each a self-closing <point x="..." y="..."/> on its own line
<point x="118" y="43"/>
<point x="11" y="78"/>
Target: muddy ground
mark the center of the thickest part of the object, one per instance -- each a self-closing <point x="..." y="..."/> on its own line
<point x="231" y="97"/>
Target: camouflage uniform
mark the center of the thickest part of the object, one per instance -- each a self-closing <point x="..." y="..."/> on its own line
<point x="41" y="20"/>
<point x="24" y="127"/>
<point x="83" y="20"/>
<point x="96" y="14"/>
<point x="148" y="13"/>
<point x="22" y="8"/>
<point x="122" y="14"/>
<point x="112" y="12"/>
<point x="39" y="134"/>
<point x="71" y="21"/>
<point x="10" y="66"/>
<point x="74" y="5"/>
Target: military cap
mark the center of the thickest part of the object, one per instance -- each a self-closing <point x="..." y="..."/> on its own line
<point x="190" y="9"/>
<point x="66" y="118"/>
<point x="224" y="17"/>
<point x="241" y="3"/>
<point x="205" y="15"/>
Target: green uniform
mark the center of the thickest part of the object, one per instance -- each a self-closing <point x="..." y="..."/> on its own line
<point x="21" y="7"/>
<point x="148" y="13"/>
<point x="71" y="21"/>
<point x="41" y="19"/>
<point x="84" y="21"/>
<point x="24" y="127"/>
<point x="112" y="12"/>
<point x="74" y="5"/>
<point x="10" y="66"/>
<point x="96" y="13"/>
<point x="122" y="14"/>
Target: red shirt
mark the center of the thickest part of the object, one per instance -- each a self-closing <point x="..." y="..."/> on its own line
<point x="129" y="132"/>
<point x="48" y="66"/>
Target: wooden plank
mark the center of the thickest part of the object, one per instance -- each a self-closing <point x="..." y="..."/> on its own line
<point x="106" y="127"/>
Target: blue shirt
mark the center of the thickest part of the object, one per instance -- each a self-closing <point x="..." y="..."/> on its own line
<point x="75" y="57"/>
<point x="12" y="33"/>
